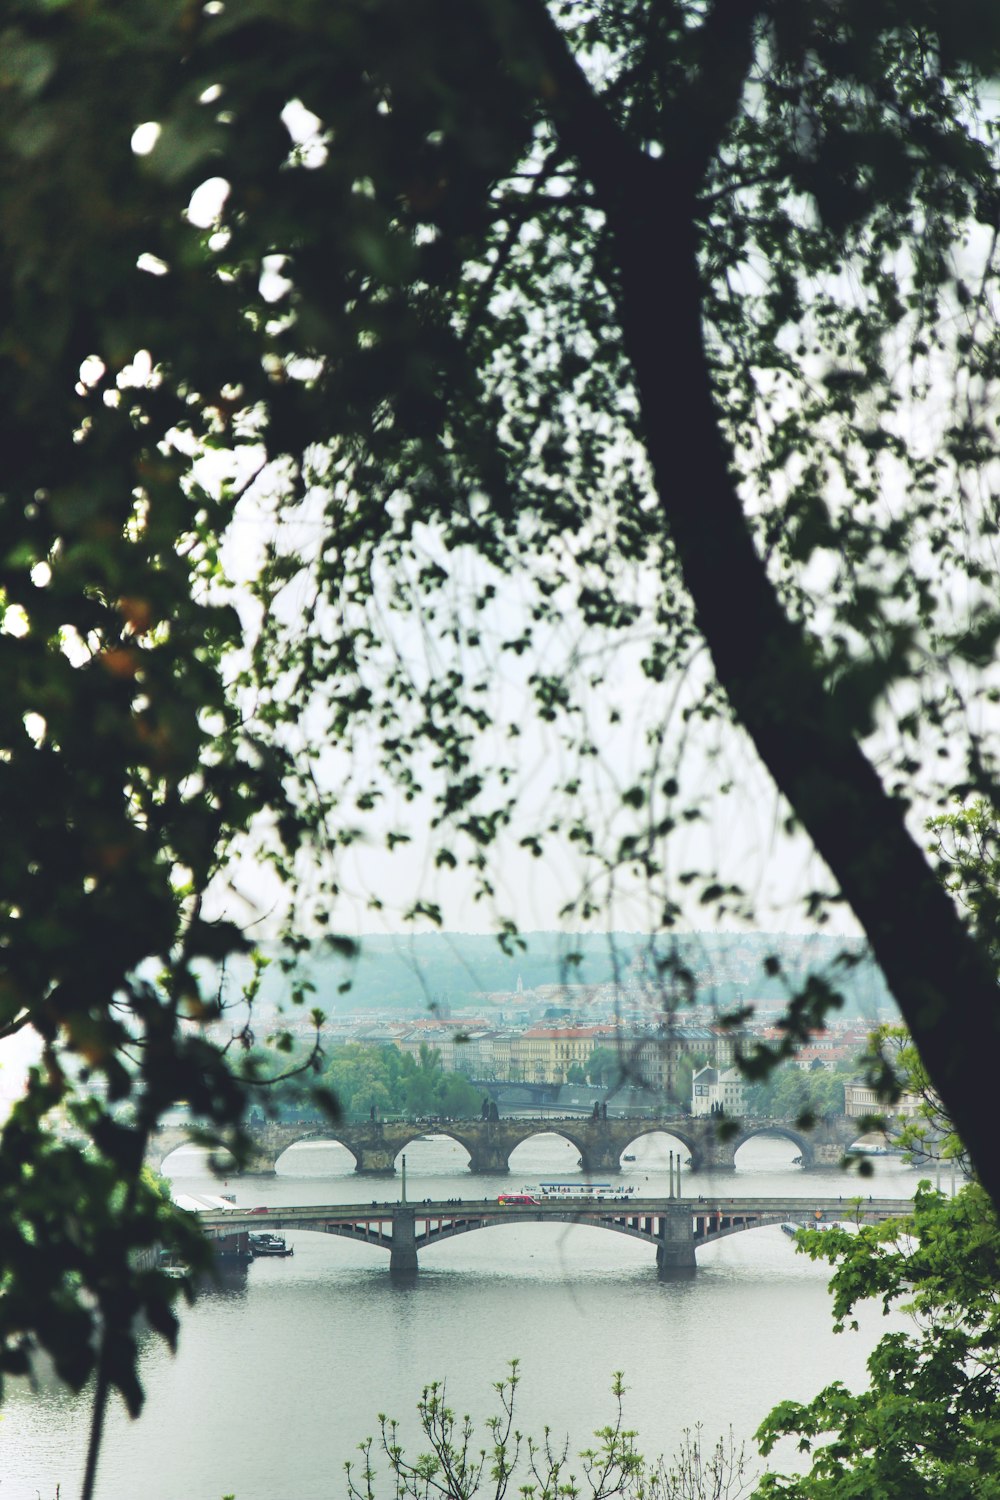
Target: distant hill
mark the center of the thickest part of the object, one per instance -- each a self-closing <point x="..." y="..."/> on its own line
<point x="453" y="972"/>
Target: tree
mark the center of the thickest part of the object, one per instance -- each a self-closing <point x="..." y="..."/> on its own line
<point x="606" y="1068"/>
<point x="926" y="1426"/>
<point x="359" y="1077"/>
<point x="791" y="1093"/>
<point x="673" y="321"/>
<point x="688" y="1064"/>
<point x="456" y="1098"/>
<point x="925" y="1132"/>
<point x="479" y="285"/>
<point x="963" y="848"/>
<point x="420" y="1076"/>
<point x="459" y="1466"/>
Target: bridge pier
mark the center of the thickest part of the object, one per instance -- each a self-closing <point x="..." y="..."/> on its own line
<point x="489" y="1158"/>
<point x="489" y="1149"/>
<point x="375" y="1161"/>
<point x="675" y="1257"/>
<point x="713" y="1155"/>
<point x="826" y="1156"/>
<point x="262" y="1163"/>
<point x="403" y="1254"/>
<point x="604" y="1156"/>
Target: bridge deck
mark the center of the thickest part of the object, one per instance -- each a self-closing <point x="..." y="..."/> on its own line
<point x="751" y="1211"/>
<point x="674" y="1226"/>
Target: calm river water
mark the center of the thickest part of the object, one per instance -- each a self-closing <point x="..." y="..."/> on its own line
<point x="283" y="1369"/>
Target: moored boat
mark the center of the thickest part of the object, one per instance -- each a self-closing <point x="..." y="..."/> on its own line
<point x="262" y="1242"/>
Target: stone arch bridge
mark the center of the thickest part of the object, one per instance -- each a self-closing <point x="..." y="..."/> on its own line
<point x="375" y="1145"/>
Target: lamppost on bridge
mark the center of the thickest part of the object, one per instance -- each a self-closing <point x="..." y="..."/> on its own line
<point x="403" y="1199"/>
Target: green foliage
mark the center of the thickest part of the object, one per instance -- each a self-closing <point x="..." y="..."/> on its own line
<point x="606" y="1068"/>
<point x="397" y="1083"/>
<point x="792" y="1093"/>
<point x="926" y="1426"/>
<point x="461" y="383"/>
<point x="456" y="1098"/>
<point x="687" y="1066"/>
<point x="893" y="1065"/>
<point x="966" y="849"/>
<point x="544" y="348"/>
<point x="157" y="1183"/>
<point x="458" y="1465"/>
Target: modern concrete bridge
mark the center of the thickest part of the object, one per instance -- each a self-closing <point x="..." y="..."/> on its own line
<point x="375" y="1145"/>
<point x="675" y="1227"/>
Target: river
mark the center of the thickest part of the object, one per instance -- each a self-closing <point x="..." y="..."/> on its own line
<point x="283" y="1368"/>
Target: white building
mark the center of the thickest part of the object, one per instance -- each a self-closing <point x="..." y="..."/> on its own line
<point x="714" y="1091"/>
<point x="862" y="1099"/>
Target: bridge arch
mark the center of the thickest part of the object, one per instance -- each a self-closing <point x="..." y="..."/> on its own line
<point x="426" y="1239"/>
<point x="558" y="1129"/>
<point x="319" y="1136"/>
<point x="427" y="1134"/>
<point x="190" y="1149"/>
<point x="772" y="1130"/>
<point x="450" y="1230"/>
<point x="671" y="1130"/>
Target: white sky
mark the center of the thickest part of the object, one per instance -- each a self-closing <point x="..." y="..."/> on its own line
<point x="741" y="835"/>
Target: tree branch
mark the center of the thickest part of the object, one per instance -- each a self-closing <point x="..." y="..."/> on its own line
<point x="11" y="1028"/>
<point x="763" y="659"/>
<point x="767" y="666"/>
<point x="581" y="117"/>
<point x="725" y="45"/>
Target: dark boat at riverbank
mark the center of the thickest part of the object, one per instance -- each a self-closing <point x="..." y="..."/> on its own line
<point x="262" y="1243"/>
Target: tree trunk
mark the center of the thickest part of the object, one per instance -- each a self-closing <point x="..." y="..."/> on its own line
<point x="942" y="981"/>
<point x="944" y="984"/>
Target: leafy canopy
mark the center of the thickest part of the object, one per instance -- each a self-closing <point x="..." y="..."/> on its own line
<point x="608" y="373"/>
<point x="926" y="1426"/>
<point x="595" y="337"/>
